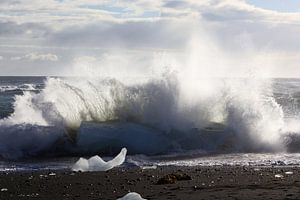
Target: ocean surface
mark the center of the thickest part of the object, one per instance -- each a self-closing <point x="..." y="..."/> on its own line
<point x="49" y="122"/>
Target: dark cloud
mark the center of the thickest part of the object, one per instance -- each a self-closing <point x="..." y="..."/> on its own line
<point x="175" y="4"/>
<point x="130" y="34"/>
<point x="9" y="2"/>
<point x="10" y="29"/>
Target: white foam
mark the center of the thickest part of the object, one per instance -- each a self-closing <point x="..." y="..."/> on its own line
<point x="27" y="111"/>
<point x="27" y="87"/>
<point x="4" y="88"/>
<point x="238" y="159"/>
<point x="23" y="87"/>
<point x="96" y="163"/>
<point x="132" y="196"/>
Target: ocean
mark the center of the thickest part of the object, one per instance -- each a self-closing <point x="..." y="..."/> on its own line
<point x="49" y="122"/>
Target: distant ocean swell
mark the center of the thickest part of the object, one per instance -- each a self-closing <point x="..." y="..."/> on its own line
<point x="22" y="87"/>
<point x="166" y="114"/>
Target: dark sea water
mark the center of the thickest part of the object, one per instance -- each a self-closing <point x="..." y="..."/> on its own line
<point x="47" y="122"/>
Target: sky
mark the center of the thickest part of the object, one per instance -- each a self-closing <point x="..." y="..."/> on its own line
<point x="65" y="37"/>
<point x="277" y="5"/>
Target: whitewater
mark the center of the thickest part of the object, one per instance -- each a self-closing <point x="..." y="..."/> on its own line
<point x="160" y="120"/>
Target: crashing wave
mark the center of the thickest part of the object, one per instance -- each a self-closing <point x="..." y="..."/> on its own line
<point x="156" y="115"/>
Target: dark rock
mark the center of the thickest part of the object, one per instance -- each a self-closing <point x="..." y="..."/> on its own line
<point x="173" y="178"/>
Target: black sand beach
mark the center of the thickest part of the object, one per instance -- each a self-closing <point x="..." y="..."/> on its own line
<point x="206" y="183"/>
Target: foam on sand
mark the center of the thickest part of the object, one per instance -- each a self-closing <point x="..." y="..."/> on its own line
<point x="96" y="163"/>
<point x="132" y="196"/>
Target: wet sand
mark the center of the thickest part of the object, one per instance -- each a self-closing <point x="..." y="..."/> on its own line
<point x="205" y="183"/>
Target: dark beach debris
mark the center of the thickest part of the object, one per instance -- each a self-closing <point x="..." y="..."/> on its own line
<point x="173" y="178"/>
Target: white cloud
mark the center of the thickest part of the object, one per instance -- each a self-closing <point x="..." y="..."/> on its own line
<point x="36" y="57"/>
<point x="82" y="26"/>
<point x="1" y="58"/>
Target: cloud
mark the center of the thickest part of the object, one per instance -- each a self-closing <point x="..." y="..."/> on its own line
<point x="1" y="58"/>
<point x="12" y="29"/>
<point x="82" y="27"/>
<point x="36" y="57"/>
<point x="148" y="34"/>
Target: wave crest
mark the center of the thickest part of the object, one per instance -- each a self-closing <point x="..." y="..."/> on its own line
<point x="214" y="114"/>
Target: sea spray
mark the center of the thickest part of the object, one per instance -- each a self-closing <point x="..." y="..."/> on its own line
<point x="253" y="113"/>
<point x="26" y="111"/>
<point x="184" y="105"/>
<point x="248" y="113"/>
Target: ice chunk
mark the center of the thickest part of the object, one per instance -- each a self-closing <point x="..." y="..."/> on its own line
<point x="132" y="196"/>
<point x="96" y="163"/>
<point x="278" y="176"/>
<point x="288" y="173"/>
<point x="149" y="167"/>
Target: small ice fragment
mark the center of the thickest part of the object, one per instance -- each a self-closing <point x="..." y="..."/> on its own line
<point x="4" y="189"/>
<point x="96" y="163"/>
<point x="52" y="174"/>
<point x="278" y="176"/>
<point x="150" y="167"/>
<point x="288" y="173"/>
<point x="256" y="169"/>
<point x="132" y="196"/>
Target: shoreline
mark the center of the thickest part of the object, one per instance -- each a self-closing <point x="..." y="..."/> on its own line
<point x="214" y="182"/>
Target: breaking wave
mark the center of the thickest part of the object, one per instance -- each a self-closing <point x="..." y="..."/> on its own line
<point x="154" y="115"/>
